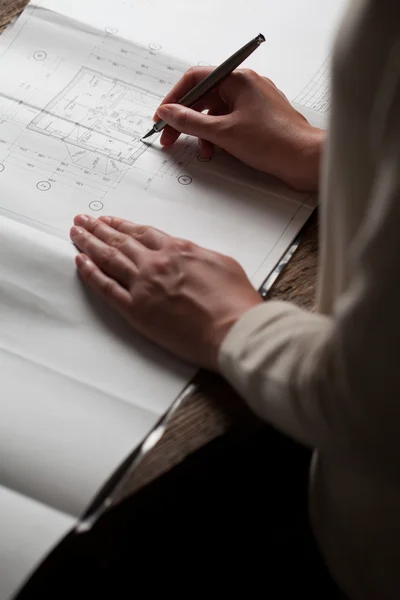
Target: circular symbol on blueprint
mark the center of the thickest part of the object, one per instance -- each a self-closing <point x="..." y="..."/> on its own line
<point x="185" y="179"/>
<point x="154" y="46"/>
<point x="203" y="158"/>
<point x="40" y="55"/>
<point x="111" y="30"/>
<point x="96" y="205"/>
<point x="2" y="167"/>
<point x="43" y="186"/>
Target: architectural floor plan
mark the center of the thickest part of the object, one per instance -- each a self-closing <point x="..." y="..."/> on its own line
<point x="100" y="119"/>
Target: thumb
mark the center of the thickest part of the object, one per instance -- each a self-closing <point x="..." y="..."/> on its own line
<point x="187" y="120"/>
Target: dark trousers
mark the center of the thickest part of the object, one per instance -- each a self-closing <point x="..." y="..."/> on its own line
<point x="231" y="518"/>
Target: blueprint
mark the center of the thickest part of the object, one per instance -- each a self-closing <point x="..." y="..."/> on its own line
<point x="100" y="119"/>
<point x="69" y="128"/>
<point x="75" y="103"/>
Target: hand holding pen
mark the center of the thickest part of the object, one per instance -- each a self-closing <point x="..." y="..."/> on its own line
<point x="210" y="81"/>
<point x="250" y="118"/>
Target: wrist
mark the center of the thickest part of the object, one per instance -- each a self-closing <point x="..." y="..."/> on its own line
<point x="308" y="150"/>
<point x="225" y="323"/>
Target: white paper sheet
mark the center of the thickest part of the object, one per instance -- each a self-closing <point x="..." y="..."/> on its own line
<point x="80" y="81"/>
<point x="74" y="102"/>
<point x="79" y="391"/>
<point x="299" y="34"/>
<point x="28" y="531"/>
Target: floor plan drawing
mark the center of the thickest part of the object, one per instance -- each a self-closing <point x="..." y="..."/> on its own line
<point x="100" y="119"/>
<point x="72" y="117"/>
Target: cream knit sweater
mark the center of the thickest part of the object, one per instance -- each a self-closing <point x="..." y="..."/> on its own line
<point x="332" y="379"/>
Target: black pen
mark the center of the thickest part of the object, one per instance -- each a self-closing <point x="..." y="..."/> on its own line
<point x="212" y="80"/>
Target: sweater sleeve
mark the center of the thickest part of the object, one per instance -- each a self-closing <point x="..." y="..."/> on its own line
<point x="333" y="382"/>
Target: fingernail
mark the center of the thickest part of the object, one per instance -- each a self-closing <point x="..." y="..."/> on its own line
<point x="81" y="219"/>
<point x="75" y="232"/>
<point x="105" y="219"/>
<point x="80" y="260"/>
<point x="163" y="112"/>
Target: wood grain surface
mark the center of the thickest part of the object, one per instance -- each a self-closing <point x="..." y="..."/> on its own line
<point x="214" y="407"/>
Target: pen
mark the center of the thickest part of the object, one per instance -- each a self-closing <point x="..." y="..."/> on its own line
<point x="212" y="80"/>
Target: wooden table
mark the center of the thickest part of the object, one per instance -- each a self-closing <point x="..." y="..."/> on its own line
<point x="214" y="407"/>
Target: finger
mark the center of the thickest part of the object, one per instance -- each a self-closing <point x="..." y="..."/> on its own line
<point x="110" y="260"/>
<point x="100" y="229"/>
<point x="206" y="149"/>
<point x="186" y="83"/>
<point x="213" y="104"/>
<point x="152" y="238"/>
<point x="275" y="88"/>
<point x="270" y="82"/>
<point x="169" y="136"/>
<point x="105" y="286"/>
<point x="187" y="120"/>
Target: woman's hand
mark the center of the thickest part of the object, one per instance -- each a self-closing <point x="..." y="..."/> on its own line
<point x="181" y="296"/>
<point x="250" y="118"/>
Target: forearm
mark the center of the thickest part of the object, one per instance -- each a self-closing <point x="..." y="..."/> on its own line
<point x="272" y="356"/>
<point x="317" y="378"/>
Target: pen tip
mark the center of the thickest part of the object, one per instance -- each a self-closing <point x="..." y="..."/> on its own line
<point x="260" y="38"/>
<point x="148" y="134"/>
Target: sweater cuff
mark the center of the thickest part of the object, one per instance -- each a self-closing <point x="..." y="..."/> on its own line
<point x="237" y="344"/>
<point x="274" y="356"/>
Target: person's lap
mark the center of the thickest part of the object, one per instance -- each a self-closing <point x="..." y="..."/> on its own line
<point x="232" y="516"/>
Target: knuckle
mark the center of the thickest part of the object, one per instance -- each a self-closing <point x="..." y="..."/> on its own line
<point x="88" y="273"/>
<point x="118" y="240"/>
<point x="229" y="261"/>
<point x="248" y="75"/>
<point x="233" y="266"/>
<point x="109" y="288"/>
<point x="140" y="231"/>
<point x="121" y="225"/>
<point x="156" y="264"/>
<point x="226" y="261"/>
<point x="161" y="265"/>
<point x="251" y="74"/>
<point x="143" y="298"/>
<point x="269" y="81"/>
<point x="108" y="256"/>
<point x="94" y="226"/>
<point x="182" y="246"/>
<point x="271" y="87"/>
<point x="190" y="74"/>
